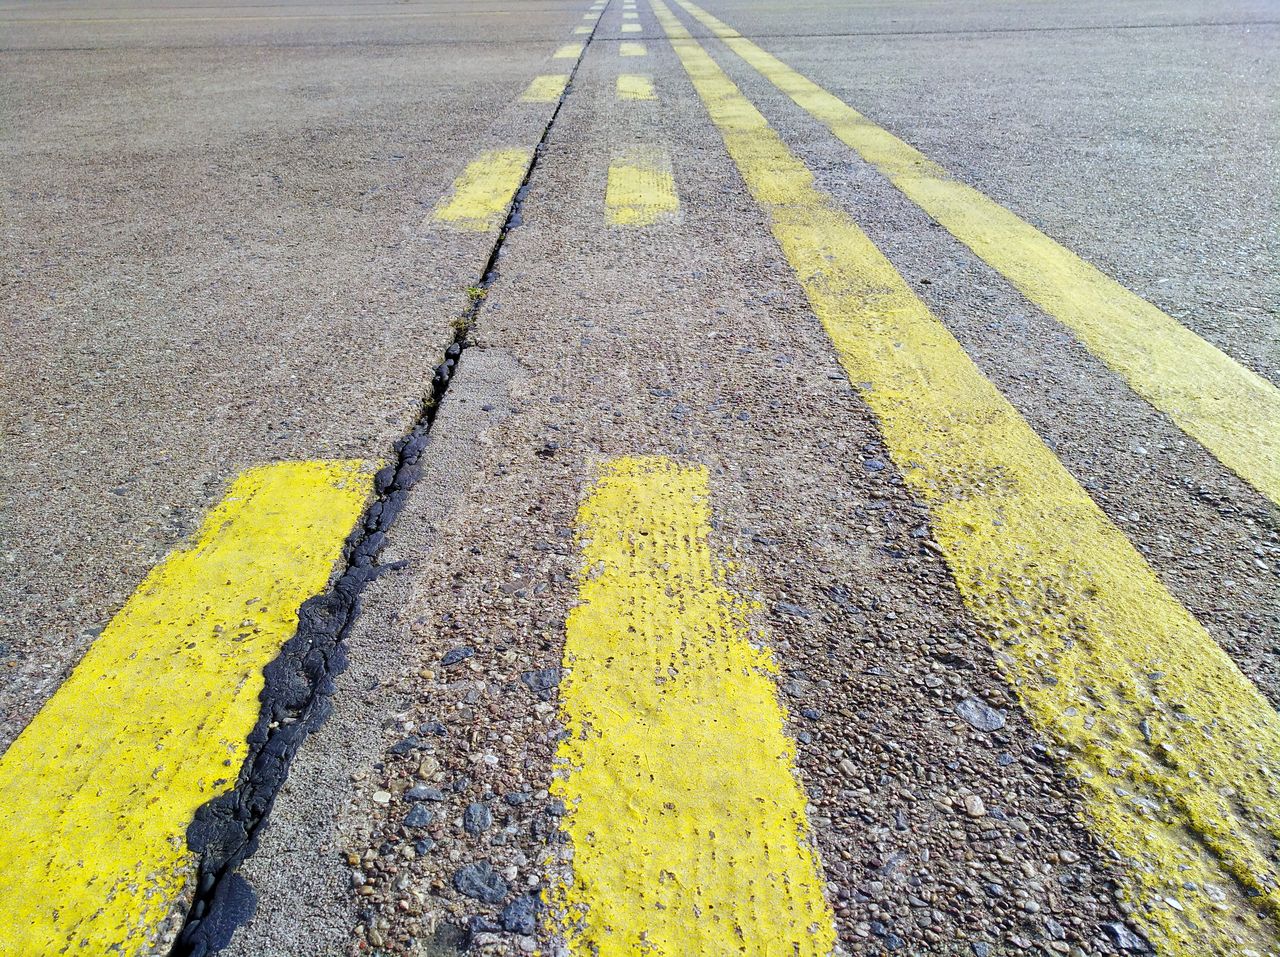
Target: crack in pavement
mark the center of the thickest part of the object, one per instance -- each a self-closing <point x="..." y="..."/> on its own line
<point x="299" y="683"/>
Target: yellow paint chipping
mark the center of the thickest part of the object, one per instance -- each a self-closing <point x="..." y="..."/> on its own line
<point x="641" y="190"/>
<point x="1176" y="752"/>
<point x="97" y="792"/>
<point x="635" y="86"/>
<point x="545" y="89"/>
<point x="481" y="196"/>
<point x="688" y="826"/>
<point x="631" y="48"/>
<point x="1231" y="410"/>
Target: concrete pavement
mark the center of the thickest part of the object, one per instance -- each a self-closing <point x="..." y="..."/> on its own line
<point x="989" y="695"/>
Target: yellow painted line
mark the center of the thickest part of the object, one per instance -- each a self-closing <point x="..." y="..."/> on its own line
<point x="570" y="51"/>
<point x="641" y="190"/>
<point x="631" y="28"/>
<point x="631" y="16"/>
<point x="1229" y="409"/>
<point x="582" y="31"/>
<point x="97" y="792"/>
<point x="545" y="89"/>
<point x="635" y="86"/>
<point x="480" y="197"/>
<point x="688" y="825"/>
<point x="631" y="48"/>
<point x="1176" y="752"/>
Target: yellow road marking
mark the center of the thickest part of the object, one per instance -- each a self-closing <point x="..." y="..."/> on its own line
<point x="570" y="51"/>
<point x="630" y="16"/>
<point x="582" y="31"/>
<point x="631" y="28"/>
<point x="641" y="190"/>
<point x="1176" y="752"/>
<point x="97" y="792"/>
<point x="1229" y="409"/>
<point x="545" y="89"/>
<point x="635" y="86"/>
<point x="481" y="195"/>
<point x="631" y="48"/>
<point x="688" y="825"/>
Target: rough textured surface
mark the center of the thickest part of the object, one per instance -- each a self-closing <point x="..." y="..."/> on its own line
<point x="217" y="256"/>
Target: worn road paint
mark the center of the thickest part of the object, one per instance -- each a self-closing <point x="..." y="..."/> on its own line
<point x="631" y="48"/>
<point x="688" y="825"/>
<point x="631" y="28"/>
<point x="570" y="51"/>
<point x="1229" y="409"/>
<point x="641" y="190"/>
<point x="635" y="86"/>
<point x="97" y="792"/>
<point x="582" y="31"/>
<point x="481" y="196"/>
<point x="1176" y="752"/>
<point x="630" y="16"/>
<point x="545" y="89"/>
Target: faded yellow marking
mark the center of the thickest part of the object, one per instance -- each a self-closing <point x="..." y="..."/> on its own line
<point x="635" y="86"/>
<point x="570" y="51"/>
<point x="630" y="16"/>
<point x="1176" y="752"/>
<point x="97" y="792"/>
<point x="1229" y="409"/>
<point x="582" y="31"/>
<point x="545" y="89"/>
<point x="641" y="190"/>
<point x="481" y="196"/>
<point x="688" y="825"/>
<point x="631" y="48"/>
<point x="631" y="28"/>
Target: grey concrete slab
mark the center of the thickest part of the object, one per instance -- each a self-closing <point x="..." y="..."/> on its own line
<point x="214" y="257"/>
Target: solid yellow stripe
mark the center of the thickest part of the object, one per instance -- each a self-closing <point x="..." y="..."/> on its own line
<point x="545" y="89"/>
<point x="1229" y="409"/>
<point x="570" y="51"/>
<point x="96" y="794"/>
<point x="1176" y="752"/>
<point x="631" y="48"/>
<point x="688" y="825"/>
<point x="480" y="197"/>
<point x="641" y="190"/>
<point x="635" y="86"/>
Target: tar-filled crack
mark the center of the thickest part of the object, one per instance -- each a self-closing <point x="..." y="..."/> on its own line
<point x="300" y="681"/>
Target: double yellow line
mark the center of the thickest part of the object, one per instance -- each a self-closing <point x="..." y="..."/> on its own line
<point x="1176" y="752"/>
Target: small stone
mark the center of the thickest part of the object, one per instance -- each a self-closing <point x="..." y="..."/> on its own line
<point x="848" y="768"/>
<point x="517" y="798"/>
<point x="480" y="881"/>
<point x="980" y="948"/>
<point x="477" y="818"/>
<point x="421" y="792"/>
<point x="381" y="797"/>
<point x="795" y="611"/>
<point x="455" y="655"/>
<point x="980" y="716"/>
<point x="521" y="915"/>
<point x="419" y="816"/>
<point x="1125" y="939"/>
<point x="973" y="806"/>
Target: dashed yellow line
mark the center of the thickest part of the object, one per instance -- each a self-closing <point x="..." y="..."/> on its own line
<point x="545" y="89"/>
<point x="97" y="792"/>
<point x="1176" y="752"/>
<point x="630" y="16"/>
<point x="631" y="28"/>
<point x="480" y="197"/>
<point x="641" y="190"/>
<point x="570" y="51"/>
<point x="1231" y="410"/>
<point x="632" y="48"/>
<point x="635" y="86"/>
<point x="582" y="31"/>
<point x="688" y="825"/>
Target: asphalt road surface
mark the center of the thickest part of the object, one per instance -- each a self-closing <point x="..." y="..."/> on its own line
<point x="640" y="477"/>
